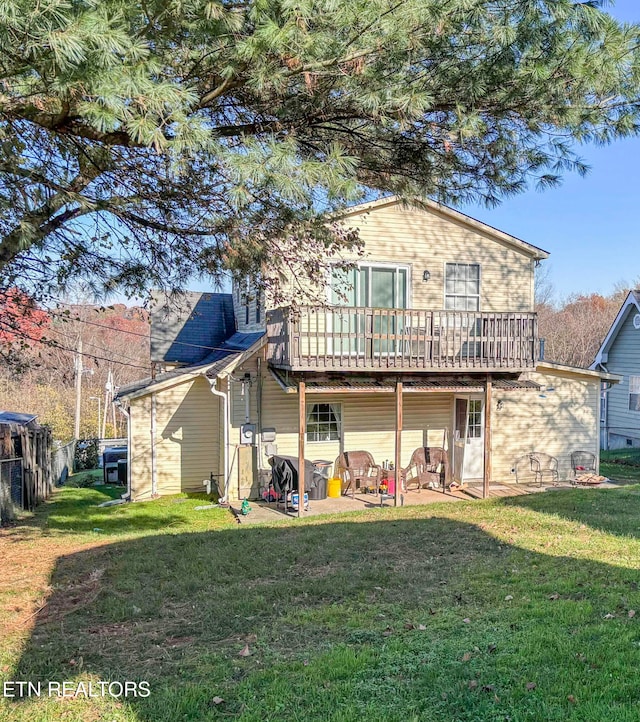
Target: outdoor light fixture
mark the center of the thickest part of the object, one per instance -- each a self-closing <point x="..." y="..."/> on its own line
<point x="500" y="405"/>
<point x="426" y="275"/>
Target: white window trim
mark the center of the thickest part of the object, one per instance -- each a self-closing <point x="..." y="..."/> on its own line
<point x="444" y="283"/>
<point x="340" y="424"/>
<point x="633" y="376"/>
<point x="377" y="264"/>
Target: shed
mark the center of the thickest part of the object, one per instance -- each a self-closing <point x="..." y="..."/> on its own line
<point x="25" y="463"/>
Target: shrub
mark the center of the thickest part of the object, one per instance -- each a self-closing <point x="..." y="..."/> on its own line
<point x="86" y="454"/>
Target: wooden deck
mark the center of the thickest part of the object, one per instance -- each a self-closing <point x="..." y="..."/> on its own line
<point x="343" y="338"/>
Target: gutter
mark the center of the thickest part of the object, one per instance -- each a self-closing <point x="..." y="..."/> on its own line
<point x="225" y="412"/>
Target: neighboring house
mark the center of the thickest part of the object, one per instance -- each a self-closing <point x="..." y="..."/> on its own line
<point x="620" y="354"/>
<point x="432" y="340"/>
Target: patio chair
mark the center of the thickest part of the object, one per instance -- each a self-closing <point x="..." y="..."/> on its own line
<point x="357" y="468"/>
<point x="582" y="462"/>
<point x="428" y="467"/>
<point x="544" y="465"/>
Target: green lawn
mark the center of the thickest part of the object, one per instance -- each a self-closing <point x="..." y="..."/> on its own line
<point x="509" y="610"/>
<point x="621" y="464"/>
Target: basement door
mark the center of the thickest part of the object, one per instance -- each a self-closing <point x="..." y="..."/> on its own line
<point x="468" y="439"/>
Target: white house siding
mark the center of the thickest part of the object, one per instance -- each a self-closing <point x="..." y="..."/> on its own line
<point x="187" y="439"/>
<point x="623" y="359"/>
<point x="562" y="417"/>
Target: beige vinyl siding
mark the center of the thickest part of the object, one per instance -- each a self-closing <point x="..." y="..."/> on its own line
<point x="565" y="420"/>
<point x="187" y="443"/>
<point x="368" y="422"/>
<point x="238" y="418"/>
<point x="427" y="240"/>
<point x="140" y="451"/>
<point x="238" y="400"/>
<point x="624" y="359"/>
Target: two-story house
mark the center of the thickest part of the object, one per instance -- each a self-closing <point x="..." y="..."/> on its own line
<point x="620" y="354"/>
<point x="430" y="340"/>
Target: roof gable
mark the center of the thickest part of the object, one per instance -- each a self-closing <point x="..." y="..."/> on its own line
<point x="631" y="305"/>
<point x="429" y="206"/>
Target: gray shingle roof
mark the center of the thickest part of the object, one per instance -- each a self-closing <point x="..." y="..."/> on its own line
<point x="188" y="328"/>
<point x="216" y="361"/>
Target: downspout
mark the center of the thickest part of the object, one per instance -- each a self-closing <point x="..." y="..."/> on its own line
<point x="225" y="413"/>
<point x="154" y="465"/>
<point x="606" y="386"/>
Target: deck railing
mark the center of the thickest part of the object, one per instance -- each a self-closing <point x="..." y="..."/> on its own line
<point x="387" y="338"/>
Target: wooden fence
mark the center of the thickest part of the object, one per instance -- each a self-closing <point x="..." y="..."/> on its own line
<point x="26" y="467"/>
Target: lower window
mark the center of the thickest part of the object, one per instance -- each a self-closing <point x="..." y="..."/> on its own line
<point x="324" y="422"/>
<point x="634" y="393"/>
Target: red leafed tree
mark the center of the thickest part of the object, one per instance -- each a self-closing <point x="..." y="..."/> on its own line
<point x="21" y="321"/>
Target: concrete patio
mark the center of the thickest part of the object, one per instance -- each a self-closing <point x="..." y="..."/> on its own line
<point x="265" y="512"/>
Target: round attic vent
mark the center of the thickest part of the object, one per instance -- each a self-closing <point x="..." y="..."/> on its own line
<point x="636" y="321"/>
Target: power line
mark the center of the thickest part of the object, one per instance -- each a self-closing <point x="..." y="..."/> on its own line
<point x="57" y="344"/>
<point x="143" y="335"/>
<point x="133" y="333"/>
<point x="93" y="345"/>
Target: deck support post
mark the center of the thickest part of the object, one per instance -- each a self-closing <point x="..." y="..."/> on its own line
<point x="487" y="439"/>
<point x="302" y="430"/>
<point x="398" y="479"/>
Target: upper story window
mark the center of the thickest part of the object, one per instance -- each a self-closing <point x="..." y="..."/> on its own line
<point x="247" y="299"/>
<point x="634" y="393"/>
<point x="462" y="287"/>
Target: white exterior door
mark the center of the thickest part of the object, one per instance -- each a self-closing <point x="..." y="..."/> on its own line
<point x="469" y="439"/>
<point x="474" y="451"/>
<point x="460" y="417"/>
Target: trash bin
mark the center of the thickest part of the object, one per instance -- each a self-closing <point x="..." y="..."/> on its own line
<point x="322" y="469"/>
<point x="122" y="472"/>
<point x="110" y="458"/>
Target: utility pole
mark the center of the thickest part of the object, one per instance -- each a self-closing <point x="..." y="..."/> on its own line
<point x="107" y="393"/>
<point x="78" y="365"/>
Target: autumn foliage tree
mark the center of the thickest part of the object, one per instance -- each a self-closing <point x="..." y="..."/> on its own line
<point x="21" y="324"/>
<point x="574" y="328"/>
<point x="115" y="339"/>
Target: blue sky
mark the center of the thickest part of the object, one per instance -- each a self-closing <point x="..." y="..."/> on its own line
<point x="589" y="225"/>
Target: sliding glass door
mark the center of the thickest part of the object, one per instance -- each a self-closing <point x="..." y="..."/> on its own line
<point x="368" y="286"/>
